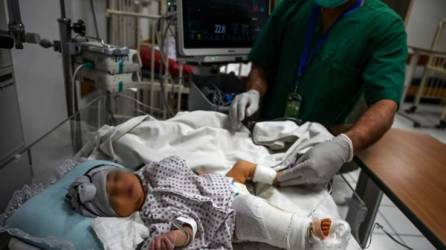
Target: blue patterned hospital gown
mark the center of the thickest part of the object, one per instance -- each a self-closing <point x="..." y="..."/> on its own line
<point x="173" y="190"/>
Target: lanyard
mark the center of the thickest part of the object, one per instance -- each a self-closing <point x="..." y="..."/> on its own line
<point x="308" y="55"/>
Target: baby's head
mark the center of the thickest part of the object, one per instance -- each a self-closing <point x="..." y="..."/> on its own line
<point x="106" y="191"/>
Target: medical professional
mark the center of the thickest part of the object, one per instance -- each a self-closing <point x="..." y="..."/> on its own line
<point x="313" y="60"/>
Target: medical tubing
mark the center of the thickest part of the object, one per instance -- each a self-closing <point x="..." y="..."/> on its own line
<point x="138" y="102"/>
<point x="73" y="81"/>
<point x="164" y="59"/>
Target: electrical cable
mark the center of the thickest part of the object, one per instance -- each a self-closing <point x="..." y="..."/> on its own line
<point x="218" y="96"/>
<point x="164" y="59"/>
<point x="138" y="102"/>
<point x="377" y="225"/>
<point x="95" y="19"/>
<point x="171" y="19"/>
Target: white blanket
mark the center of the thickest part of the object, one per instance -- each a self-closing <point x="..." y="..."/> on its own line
<point x="120" y="233"/>
<point x="202" y="138"/>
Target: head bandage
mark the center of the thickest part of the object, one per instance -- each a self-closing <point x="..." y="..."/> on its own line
<point x="88" y="194"/>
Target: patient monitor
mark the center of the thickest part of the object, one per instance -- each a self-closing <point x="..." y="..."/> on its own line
<point x="213" y="31"/>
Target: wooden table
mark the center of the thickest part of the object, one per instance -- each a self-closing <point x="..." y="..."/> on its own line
<point x="410" y="168"/>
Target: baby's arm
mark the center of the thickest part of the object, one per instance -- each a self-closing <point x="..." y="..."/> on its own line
<point x="242" y="171"/>
<point x="183" y="232"/>
<point x="245" y="170"/>
<point x="172" y="239"/>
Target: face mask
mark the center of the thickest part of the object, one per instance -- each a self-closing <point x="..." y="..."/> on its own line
<point x="330" y="4"/>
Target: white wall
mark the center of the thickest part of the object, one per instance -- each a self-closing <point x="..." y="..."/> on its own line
<point x="423" y="22"/>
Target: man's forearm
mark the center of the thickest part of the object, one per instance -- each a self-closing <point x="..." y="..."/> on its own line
<point x="372" y="125"/>
<point x="257" y="80"/>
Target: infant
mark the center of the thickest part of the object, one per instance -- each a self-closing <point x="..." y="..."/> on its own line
<point x="183" y="209"/>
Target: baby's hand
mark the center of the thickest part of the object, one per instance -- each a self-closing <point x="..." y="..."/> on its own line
<point x="200" y="172"/>
<point x="163" y="242"/>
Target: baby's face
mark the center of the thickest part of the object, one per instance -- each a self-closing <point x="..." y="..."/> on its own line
<point x="125" y="192"/>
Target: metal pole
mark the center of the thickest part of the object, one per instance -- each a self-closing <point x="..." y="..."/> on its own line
<point x="372" y="196"/>
<point x="409" y="75"/>
<point x="442" y="123"/>
<point x="16" y="27"/>
<point x="67" y="64"/>
<point x="62" y="9"/>
<point x="111" y="12"/>
<point x="152" y="63"/>
<point x="180" y="87"/>
<point x="65" y="37"/>
<point x="424" y="80"/>
<point x="15" y="16"/>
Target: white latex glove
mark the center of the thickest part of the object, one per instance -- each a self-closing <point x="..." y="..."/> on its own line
<point x="244" y="105"/>
<point x="319" y="164"/>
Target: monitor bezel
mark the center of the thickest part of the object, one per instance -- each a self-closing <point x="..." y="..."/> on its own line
<point x="201" y="52"/>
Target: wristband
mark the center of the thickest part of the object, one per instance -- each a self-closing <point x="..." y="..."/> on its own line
<point x="264" y="174"/>
<point x="178" y="224"/>
<point x="188" y="237"/>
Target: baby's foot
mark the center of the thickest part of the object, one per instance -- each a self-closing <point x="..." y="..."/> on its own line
<point x="328" y="234"/>
<point x="320" y="228"/>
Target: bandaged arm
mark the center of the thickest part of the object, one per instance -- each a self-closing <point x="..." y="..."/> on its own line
<point x="244" y="170"/>
<point x="264" y="174"/>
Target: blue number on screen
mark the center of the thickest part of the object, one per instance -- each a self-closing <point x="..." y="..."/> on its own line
<point x="219" y="29"/>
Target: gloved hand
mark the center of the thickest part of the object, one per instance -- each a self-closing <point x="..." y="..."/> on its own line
<point x="319" y="164"/>
<point x="244" y="105"/>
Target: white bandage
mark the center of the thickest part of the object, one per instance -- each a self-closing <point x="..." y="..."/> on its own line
<point x="258" y="221"/>
<point x="350" y="146"/>
<point x="264" y="174"/>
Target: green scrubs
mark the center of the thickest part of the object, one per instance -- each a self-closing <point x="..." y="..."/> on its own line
<point x="365" y="53"/>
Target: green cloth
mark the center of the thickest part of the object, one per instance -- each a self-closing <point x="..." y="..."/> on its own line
<point x="365" y="53"/>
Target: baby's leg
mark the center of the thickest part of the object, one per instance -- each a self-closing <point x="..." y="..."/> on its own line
<point x="320" y="228"/>
<point x="328" y="234"/>
<point x="258" y="221"/>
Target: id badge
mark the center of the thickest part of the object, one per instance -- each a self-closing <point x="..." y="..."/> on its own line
<point x="294" y="102"/>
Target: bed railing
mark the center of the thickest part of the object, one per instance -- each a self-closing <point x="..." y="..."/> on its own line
<point x="433" y="81"/>
<point x="39" y="160"/>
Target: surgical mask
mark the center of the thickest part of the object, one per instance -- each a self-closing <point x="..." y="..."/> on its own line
<point x="330" y="4"/>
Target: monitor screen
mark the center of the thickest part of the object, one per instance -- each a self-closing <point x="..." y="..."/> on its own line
<point x="221" y="24"/>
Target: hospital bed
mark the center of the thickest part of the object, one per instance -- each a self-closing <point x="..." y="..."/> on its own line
<point x="61" y="152"/>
